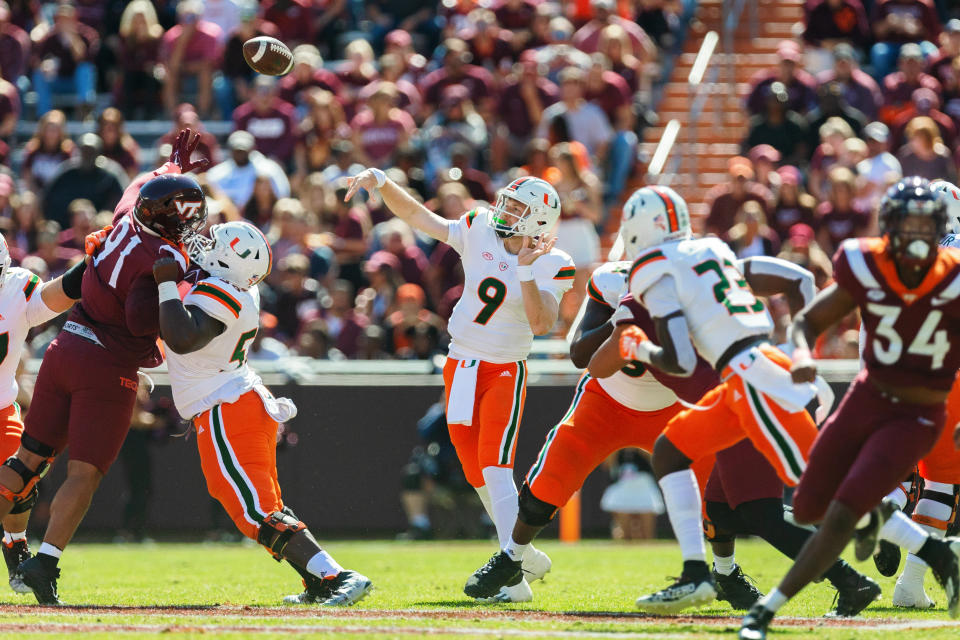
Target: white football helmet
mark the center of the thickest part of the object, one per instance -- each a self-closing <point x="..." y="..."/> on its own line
<point x="235" y="251"/>
<point x="653" y="215"/>
<point x="950" y="194"/>
<point x="542" y="208"/>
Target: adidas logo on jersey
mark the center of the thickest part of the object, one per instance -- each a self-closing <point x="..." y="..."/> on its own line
<point x="506" y="374"/>
<point x="736" y="395"/>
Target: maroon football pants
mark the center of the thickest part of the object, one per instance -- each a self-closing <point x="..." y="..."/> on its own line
<point x="83" y="399"/>
<point x="865" y="449"/>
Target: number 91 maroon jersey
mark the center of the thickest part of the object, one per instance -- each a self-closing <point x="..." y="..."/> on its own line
<point x="912" y="335"/>
<point x="119" y="295"/>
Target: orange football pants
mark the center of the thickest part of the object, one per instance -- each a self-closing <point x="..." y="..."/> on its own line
<point x="238" y="455"/>
<point x="11" y="428"/>
<point x="491" y="439"/>
<point x="942" y="464"/>
<point x="734" y="409"/>
<point x="594" y="427"/>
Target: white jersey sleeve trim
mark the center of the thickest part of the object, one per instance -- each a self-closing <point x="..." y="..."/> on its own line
<point x="215" y="298"/>
<point x="858" y="264"/>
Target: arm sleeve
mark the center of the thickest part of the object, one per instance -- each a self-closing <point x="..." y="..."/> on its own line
<point x="767" y="266"/>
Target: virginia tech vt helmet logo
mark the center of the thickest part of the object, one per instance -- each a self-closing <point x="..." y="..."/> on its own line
<point x="189" y="209"/>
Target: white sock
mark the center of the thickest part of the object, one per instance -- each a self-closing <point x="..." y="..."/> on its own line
<point x="503" y="500"/>
<point x="863" y="521"/>
<point x="48" y="549"/>
<point x="484" y="494"/>
<point x="724" y="565"/>
<point x="516" y="550"/>
<point x="914" y="569"/>
<point x="773" y="600"/>
<point x="421" y="521"/>
<point x="903" y="532"/>
<point x="681" y="494"/>
<point x="899" y="495"/>
<point x="323" y="565"/>
<point x="10" y="537"/>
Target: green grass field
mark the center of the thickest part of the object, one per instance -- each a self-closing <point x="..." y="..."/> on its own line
<point x="235" y="591"/>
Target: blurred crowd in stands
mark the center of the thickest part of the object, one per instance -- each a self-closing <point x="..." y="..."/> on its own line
<point x="455" y="98"/>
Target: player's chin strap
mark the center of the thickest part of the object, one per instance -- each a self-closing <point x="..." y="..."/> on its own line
<point x="29" y="476"/>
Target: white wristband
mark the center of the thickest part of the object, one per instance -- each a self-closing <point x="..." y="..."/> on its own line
<point x="379" y="175"/>
<point x="643" y="351"/>
<point x="168" y="291"/>
<point x="525" y="272"/>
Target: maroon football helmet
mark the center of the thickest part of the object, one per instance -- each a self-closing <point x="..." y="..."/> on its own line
<point x="173" y="206"/>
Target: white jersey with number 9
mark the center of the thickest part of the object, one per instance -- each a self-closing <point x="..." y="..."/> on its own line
<point x="489" y="322"/>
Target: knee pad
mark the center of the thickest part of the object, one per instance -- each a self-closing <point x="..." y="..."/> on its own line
<point x="723" y="521"/>
<point x="29" y="476"/>
<point x="946" y="503"/>
<point x="25" y="503"/>
<point x="534" y="511"/>
<point x="411" y="479"/>
<point x="276" y="531"/>
<point x="760" y="516"/>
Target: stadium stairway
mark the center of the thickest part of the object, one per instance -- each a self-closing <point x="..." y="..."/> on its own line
<point x="722" y="124"/>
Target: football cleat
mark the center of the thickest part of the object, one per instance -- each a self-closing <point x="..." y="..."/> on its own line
<point x="887" y="558"/>
<point x="14" y="553"/>
<point x="854" y="595"/>
<point x="316" y="591"/>
<point x="687" y="591"/>
<point x="737" y="589"/>
<point x="500" y="571"/>
<point x="865" y="540"/>
<point x="520" y="592"/>
<point x="756" y="623"/>
<point x="946" y="568"/>
<point x="349" y="588"/>
<point x="43" y="583"/>
<point x="911" y="595"/>
<point x="535" y="564"/>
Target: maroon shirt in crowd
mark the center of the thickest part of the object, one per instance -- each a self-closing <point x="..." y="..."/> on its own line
<point x="513" y="112"/>
<point x="379" y="141"/>
<point x="921" y="11"/>
<point x="614" y="95"/>
<point x="294" y="19"/>
<point x="801" y="93"/>
<point x="477" y="80"/>
<point x="140" y="55"/>
<point x="275" y="130"/>
<point x="290" y="86"/>
<point x="848" y="23"/>
<point x="897" y="90"/>
<point x="494" y="52"/>
<point x="514" y="18"/>
<point x="14" y="51"/>
<point x="43" y="165"/>
<point x="840" y="225"/>
<point x="860" y="91"/>
<point x="53" y="45"/>
<point x="724" y="205"/>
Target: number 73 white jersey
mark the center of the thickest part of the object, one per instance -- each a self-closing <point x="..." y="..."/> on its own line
<point x="489" y="322"/>
<point x="716" y="301"/>
<point x="218" y="372"/>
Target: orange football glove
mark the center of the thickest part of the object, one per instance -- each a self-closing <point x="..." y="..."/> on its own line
<point x="629" y="339"/>
<point x="93" y="241"/>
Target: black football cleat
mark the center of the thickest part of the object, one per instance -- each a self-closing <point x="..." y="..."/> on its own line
<point x="737" y="589"/>
<point x="756" y="623"/>
<point x="854" y="595"/>
<point x="13" y="554"/>
<point x="500" y="571"/>
<point x="946" y="568"/>
<point x="40" y="580"/>
<point x="887" y="558"/>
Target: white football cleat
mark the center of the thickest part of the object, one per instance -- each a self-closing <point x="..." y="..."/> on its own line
<point x="536" y="564"/>
<point x="911" y="595"/>
<point x="682" y="594"/>
<point x="520" y="592"/>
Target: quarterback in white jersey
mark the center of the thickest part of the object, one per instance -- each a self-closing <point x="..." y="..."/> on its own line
<point x="25" y="302"/>
<point x="514" y="280"/>
<point x="700" y="302"/>
<point x="207" y="336"/>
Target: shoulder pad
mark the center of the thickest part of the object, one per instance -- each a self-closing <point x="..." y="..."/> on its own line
<point x="221" y="292"/>
<point x="476" y="216"/>
<point x="556" y="265"/>
<point x="609" y="283"/>
<point x="24" y="280"/>
<point x="646" y="270"/>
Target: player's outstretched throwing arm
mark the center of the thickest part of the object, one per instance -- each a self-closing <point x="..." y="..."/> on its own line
<point x="183" y="329"/>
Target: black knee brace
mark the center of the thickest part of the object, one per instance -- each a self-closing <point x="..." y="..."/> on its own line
<point x="26" y="503"/>
<point x="760" y="517"/>
<point x="276" y="531"/>
<point x="534" y="511"/>
<point x="412" y="479"/>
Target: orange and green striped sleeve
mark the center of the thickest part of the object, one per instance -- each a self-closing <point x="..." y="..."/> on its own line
<point x="213" y="292"/>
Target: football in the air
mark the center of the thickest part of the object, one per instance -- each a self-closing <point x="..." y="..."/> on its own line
<point x="268" y="56"/>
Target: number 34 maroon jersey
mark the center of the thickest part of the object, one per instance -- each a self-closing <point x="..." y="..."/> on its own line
<point x="119" y="296"/>
<point x="912" y="335"/>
